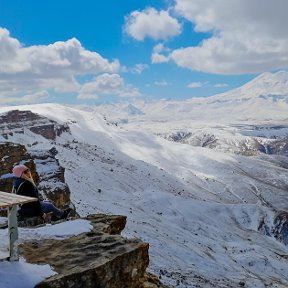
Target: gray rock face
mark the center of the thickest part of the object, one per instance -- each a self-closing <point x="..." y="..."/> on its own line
<point x="51" y="177"/>
<point x="45" y="168"/>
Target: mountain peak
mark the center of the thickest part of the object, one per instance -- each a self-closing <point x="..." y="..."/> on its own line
<point x="268" y="83"/>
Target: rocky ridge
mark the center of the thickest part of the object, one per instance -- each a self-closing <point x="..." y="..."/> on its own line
<point x="247" y="144"/>
<point x="15" y="121"/>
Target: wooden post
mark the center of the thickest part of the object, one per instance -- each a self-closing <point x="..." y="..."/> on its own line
<point x="13" y="233"/>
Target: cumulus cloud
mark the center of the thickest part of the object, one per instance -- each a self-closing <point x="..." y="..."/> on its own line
<point x="51" y="61"/>
<point x="107" y="84"/>
<point x="37" y="68"/>
<point x="151" y="23"/>
<point x="158" y="54"/>
<point x="247" y="36"/>
<point x="159" y="58"/>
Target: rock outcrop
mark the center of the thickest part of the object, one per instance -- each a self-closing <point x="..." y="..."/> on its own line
<point x="10" y="154"/>
<point x="15" y="121"/>
<point x="51" y="177"/>
<point x="46" y="171"/>
<point x="100" y="258"/>
<point x="280" y="229"/>
<point x="45" y="168"/>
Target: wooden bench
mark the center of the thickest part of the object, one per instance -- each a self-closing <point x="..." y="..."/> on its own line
<point x="10" y="202"/>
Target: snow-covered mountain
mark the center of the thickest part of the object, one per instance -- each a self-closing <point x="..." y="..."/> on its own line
<point x="265" y="85"/>
<point x="246" y="120"/>
<point x="210" y="216"/>
<point x="263" y="99"/>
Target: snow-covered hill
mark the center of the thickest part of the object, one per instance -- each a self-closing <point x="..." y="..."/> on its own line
<point x="203" y="211"/>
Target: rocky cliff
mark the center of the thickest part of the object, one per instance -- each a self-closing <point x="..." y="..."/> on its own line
<point x="15" y="121"/>
<point x="99" y="258"/>
<point x="45" y="169"/>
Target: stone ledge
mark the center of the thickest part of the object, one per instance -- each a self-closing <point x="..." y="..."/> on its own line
<point x="100" y="258"/>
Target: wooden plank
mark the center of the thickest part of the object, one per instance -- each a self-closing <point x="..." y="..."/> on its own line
<point x="3" y="204"/>
<point x="13" y="196"/>
<point x="9" y="199"/>
<point x="7" y="202"/>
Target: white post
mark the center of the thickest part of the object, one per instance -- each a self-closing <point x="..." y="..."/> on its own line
<point x="13" y="233"/>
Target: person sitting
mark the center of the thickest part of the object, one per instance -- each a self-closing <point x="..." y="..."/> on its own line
<point x="24" y="184"/>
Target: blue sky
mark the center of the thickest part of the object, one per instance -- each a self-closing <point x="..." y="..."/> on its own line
<point x="87" y="52"/>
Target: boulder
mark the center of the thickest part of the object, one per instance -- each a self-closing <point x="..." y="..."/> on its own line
<point x="100" y="258"/>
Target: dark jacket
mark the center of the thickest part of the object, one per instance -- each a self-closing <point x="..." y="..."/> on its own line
<point x="26" y="188"/>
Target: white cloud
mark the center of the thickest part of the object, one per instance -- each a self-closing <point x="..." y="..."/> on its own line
<point x="159" y="58"/>
<point x="151" y="23"/>
<point x="56" y="66"/>
<point x="159" y="48"/>
<point x="139" y="68"/>
<point x="161" y="83"/>
<point x="220" y="85"/>
<point x="158" y="54"/>
<point x="15" y="98"/>
<point x="51" y="61"/>
<point x="202" y="84"/>
<point x="36" y="97"/>
<point x="195" y="85"/>
<point x="107" y="84"/>
<point x="247" y="36"/>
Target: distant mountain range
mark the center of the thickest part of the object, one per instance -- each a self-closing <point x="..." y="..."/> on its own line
<point x="245" y="120"/>
<point x="265" y="98"/>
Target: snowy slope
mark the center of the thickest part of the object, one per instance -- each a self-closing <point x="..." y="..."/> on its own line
<point x="198" y="208"/>
<point x="244" y="121"/>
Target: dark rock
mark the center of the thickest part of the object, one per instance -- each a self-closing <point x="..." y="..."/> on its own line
<point x="280" y="229"/>
<point x="30" y="221"/>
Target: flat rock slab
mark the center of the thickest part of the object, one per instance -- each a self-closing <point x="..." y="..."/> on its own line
<point x="99" y="258"/>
